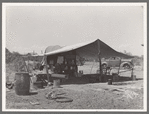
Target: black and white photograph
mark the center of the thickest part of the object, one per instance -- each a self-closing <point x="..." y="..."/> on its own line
<point x="74" y="57"/>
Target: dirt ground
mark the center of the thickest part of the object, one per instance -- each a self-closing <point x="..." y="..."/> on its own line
<point x="119" y="95"/>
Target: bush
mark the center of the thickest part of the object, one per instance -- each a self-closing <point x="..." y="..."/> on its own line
<point x="18" y="61"/>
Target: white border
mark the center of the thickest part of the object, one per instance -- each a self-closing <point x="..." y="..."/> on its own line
<point x="4" y="5"/>
<point x="76" y="4"/>
<point x="3" y="57"/>
<point x="145" y="54"/>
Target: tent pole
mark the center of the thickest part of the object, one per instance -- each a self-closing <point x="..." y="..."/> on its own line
<point x="47" y="68"/>
<point x="28" y="62"/>
<point x="119" y="67"/>
<point x="132" y="73"/>
<point x="99" y="57"/>
<point x="34" y="60"/>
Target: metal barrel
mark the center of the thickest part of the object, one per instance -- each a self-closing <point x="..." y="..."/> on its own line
<point x="22" y="84"/>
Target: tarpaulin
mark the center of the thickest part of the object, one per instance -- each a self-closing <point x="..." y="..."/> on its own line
<point x="90" y="50"/>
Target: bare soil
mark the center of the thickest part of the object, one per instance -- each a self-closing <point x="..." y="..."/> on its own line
<point x="119" y="95"/>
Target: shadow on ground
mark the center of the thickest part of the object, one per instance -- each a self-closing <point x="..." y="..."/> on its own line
<point x="86" y="79"/>
<point x="33" y="93"/>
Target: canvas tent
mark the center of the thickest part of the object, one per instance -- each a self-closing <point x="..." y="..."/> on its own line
<point x="90" y="50"/>
<point x="93" y="50"/>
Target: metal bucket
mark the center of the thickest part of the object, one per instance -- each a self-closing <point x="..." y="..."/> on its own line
<point x="56" y="83"/>
<point x="22" y="84"/>
<point x="109" y="82"/>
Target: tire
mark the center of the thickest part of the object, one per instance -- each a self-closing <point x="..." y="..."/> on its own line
<point x="64" y="99"/>
<point x="126" y="66"/>
<point x="104" y="66"/>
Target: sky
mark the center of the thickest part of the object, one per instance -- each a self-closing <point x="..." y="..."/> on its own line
<point x="33" y="28"/>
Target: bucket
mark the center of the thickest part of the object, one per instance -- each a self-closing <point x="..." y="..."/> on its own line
<point x="109" y="82"/>
<point x="80" y="73"/>
<point x="56" y="83"/>
<point x="22" y="84"/>
<point x="133" y="77"/>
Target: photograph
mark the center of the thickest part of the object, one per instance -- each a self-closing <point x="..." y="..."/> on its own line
<point x="77" y="57"/>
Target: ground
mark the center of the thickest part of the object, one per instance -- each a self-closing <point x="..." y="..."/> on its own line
<point x="119" y="95"/>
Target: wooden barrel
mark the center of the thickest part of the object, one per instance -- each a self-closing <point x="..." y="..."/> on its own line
<point x="56" y="83"/>
<point x="22" y="84"/>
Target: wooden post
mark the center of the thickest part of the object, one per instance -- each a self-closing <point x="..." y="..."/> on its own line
<point x="76" y="67"/>
<point x="119" y="66"/>
<point x="48" y="76"/>
<point x="132" y="72"/>
<point x="25" y="65"/>
<point x="28" y="62"/>
<point x="99" y="57"/>
<point x="34" y="62"/>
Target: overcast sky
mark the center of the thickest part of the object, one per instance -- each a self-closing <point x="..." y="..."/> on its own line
<point x="31" y="28"/>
